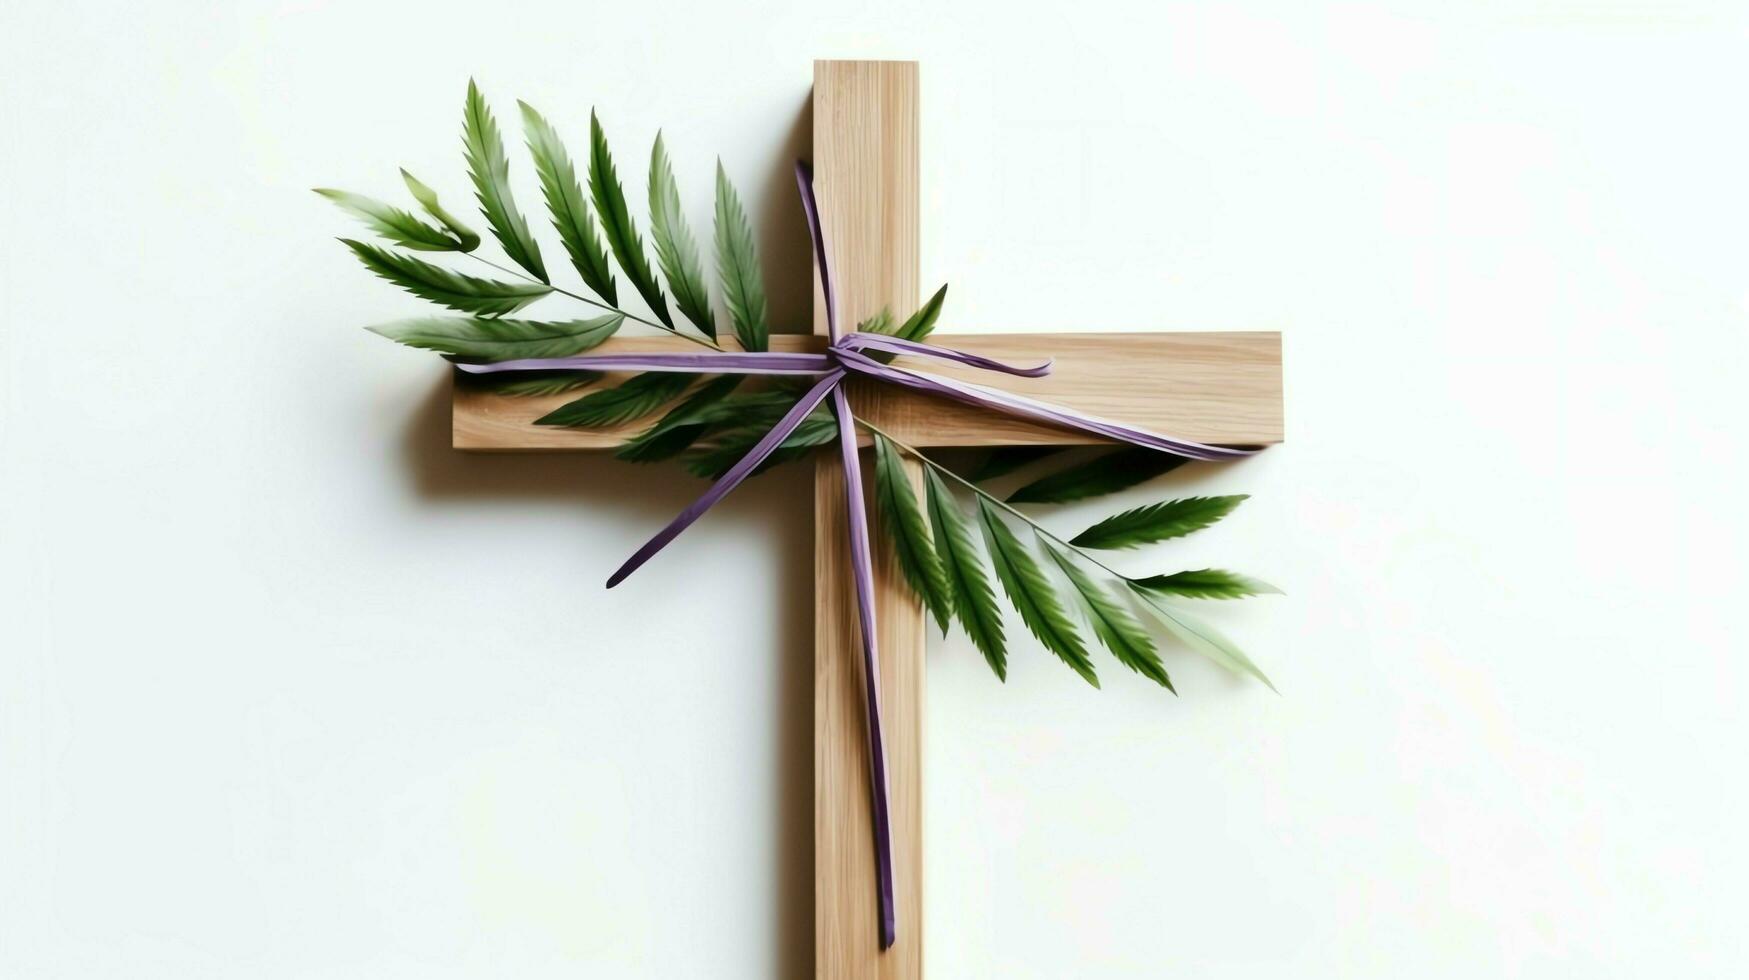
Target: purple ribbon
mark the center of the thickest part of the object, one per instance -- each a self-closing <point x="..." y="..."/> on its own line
<point x="844" y="357"/>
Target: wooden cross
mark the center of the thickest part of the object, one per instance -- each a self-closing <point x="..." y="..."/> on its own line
<point x="1210" y="387"/>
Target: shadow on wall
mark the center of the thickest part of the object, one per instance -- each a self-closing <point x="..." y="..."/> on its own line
<point x="783" y="231"/>
<point x="650" y="495"/>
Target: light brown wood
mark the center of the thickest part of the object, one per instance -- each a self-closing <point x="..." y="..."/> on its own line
<point x="865" y="176"/>
<point x="845" y="910"/>
<point x="1211" y="387"/>
<point x="1222" y="388"/>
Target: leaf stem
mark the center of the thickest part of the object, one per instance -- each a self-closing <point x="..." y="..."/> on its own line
<point x="596" y="303"/>
<point x="986" y="495"/>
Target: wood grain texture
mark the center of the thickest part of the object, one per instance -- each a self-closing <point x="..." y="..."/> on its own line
<point x="845" y="911"/>
<point x="1211" y="387"/>
<point x="865" y="176"/>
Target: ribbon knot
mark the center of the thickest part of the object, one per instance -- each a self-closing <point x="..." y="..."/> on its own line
<point x="847" y="354"/>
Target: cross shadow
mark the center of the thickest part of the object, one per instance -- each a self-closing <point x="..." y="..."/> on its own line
<point x="782" y="229"/>
<point x="651" y="495"/>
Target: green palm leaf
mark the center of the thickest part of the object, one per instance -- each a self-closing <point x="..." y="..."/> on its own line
<point x="637" y="397"/>
<point x="881" y="322"/>
<point x="1115" y="626"/>
<point x="1199" y="636"/>
<point x="681" y="426"/>
<point x="922" y="323"/>
<point x="726" y="448"/>
<point x="528" y="384"/>
<point x="427" y="199"/>
<point x="1099" y="476"/>
<point x="616" y="223"/>
<point x="676" y="250"/>
<point x="974" y="602"/>
<point x="1207" y="583"/>
<point x="392" y="223"/>
<point x="909" y="532"/>
<point x="1032" y="594"/>
<point x="452" y="289"/>
<point x="738" y="267"/>
<point x="1157" y="522"/>
<point x="490" y="170"/>
<point x="566" y="204"/>
<point x="500" y="339"/>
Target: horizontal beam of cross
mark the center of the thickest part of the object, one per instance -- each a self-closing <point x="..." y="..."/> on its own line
<point x="1220" y="388"/>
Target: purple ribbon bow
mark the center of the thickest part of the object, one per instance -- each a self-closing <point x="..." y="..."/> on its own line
<point x="848" y="354"/>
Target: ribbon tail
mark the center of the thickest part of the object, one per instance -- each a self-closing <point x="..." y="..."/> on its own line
<point x="732" y="479"/>
<point x="811" y="211"/>
<point x="862" y="570"/>
<point x="1027" y="408"/>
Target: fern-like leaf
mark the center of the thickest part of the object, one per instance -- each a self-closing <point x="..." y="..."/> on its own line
<point x="617" y="226"/>
<point x="1157" y="522"/>
<point x="1114" y="624"/>
<point x="566" y="204"/>
<point x="427" y="198"/>
<point x="1207" y="583"/>
<point x="392" y="223"/>
<point x="490" y="170"/>
<point x="922" y="323"/>
<point x="881" y="322"/>
<point x="1099" y="476"/>
<point x="1199" y="636"/>
<point x="1032" y="593"/>
<point x="909" y="532"/>
<point x="637" y="397"/>
<point x="738" y="267"/>
<point x="726" y="448"/>
<point x="500" y="339"/>
<point x="676" y="431"/>
<point x="676" y="249"/>
<point x="486" y="297"/>
<point x="974" y="601"/>
<point x="529" y="384"/>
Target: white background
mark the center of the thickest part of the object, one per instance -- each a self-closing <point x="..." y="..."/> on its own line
<point x="291" y="690"/>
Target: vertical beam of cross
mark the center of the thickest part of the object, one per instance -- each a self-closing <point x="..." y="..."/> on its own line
<point x="865" y="175"/>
